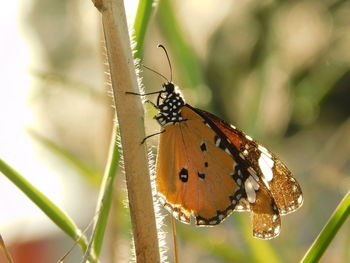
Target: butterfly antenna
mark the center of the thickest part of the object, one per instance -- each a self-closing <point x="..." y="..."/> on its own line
<point x="166" y="53"/>
<point x="155" y="72"/>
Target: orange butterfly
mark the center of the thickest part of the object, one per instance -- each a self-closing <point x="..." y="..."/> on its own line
<point x="214" y="169"/>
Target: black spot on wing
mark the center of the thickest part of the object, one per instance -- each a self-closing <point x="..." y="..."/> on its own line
<point x="201" y="175"/>
<point x="203" y="147"/>
<point x="183" y="175"/>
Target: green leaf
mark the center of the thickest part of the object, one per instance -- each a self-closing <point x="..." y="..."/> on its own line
<point x="45" y="204"/>
<point x="328" y="233"/>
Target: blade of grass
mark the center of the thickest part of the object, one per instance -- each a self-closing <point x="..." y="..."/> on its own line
<point x="106" y="195"/>
<point x="45" y="204"/>
<point x="91" y="174"/>
<point x="328" y="233"/>
<point x="143" y="15"/>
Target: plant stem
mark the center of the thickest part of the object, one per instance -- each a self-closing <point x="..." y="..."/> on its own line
<point x="130" y="118"/>
<point x="143" y="14"/>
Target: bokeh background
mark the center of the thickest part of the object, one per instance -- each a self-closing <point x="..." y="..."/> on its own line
<point x="279" y="70"/>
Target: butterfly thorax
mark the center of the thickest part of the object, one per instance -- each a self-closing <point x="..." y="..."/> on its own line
<point x="169" y="104"/>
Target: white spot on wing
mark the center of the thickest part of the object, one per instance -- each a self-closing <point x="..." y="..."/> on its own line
<point x="228" y="151"/>
<point x="183" y="218"/>
<point x="176" y="214"/>
<point x="250" y="187"/>
<point x="217" y="143"/>
<point x="266" y="164"/>
<point x="300" y="199"/>
<point x="239" y="207"/>
<point x="264" y="150"/>
<point x="253" y="173"/>
<point x="201" y="222"/>
<point x="277" y="230"/>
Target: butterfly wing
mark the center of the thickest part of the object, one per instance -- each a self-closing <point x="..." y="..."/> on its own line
<point x="279" y="192"/>
<point x="275" y="175"/>
<point x="207" y="168"/>
<point x="195" y="177"/>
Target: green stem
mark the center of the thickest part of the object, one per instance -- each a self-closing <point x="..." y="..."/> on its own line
<point x="106" y="194"/>
<point x="143" y="15"/>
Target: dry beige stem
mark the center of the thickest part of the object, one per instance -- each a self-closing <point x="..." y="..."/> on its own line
<point x="131" y="125"/>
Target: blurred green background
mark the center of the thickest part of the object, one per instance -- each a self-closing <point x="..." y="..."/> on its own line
<point x="279" y="70"/>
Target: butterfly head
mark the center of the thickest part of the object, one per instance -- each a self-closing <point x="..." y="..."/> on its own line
<point x="168" y="87"/>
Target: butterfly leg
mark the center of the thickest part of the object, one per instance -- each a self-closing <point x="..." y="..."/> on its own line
<point x="147" y="101"/>
<point x="144" y="94"/>
<point x="149" y="136"/>
<point x="153" y="104"/>
<point x="134" y="93"/>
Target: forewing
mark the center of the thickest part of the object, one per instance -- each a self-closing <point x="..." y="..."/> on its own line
<point x="193" y="175"/>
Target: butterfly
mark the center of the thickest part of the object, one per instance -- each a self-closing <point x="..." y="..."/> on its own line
<point x="206" y="169"/>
